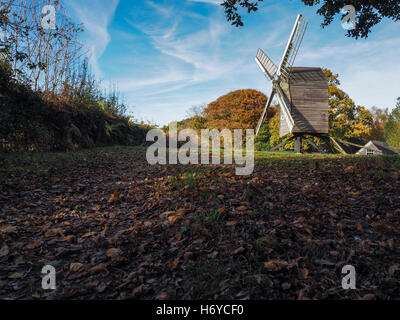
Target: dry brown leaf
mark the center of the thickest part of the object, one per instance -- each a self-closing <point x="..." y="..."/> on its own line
<point x="304" y="273"/>
<point x="53" y="232"/>
<point x="88" y="234"/>
<point x="34" y="244"/>
<point x="163" y="296"/>
<point x="173" y="264"/>
<point x="16" y="275"/>
<point x="139" y="291"/>
<point x="172" y="219"/>
<point x="69" y="238"/>
<point x="231" y="223"/>
<point x="238" y="250"/>
<point x="99" y="268"/>
<point x="114" y="253"/>
<point x="349" y="169"/>
<point x="8" y="229"/>
<point x="4" y="251"/>
<point x="275" y="265"/>
<point x="75" y="267"/>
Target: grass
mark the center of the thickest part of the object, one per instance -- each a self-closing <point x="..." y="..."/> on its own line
<point x="211" y="220"/>
<point x="188" y="179"/>
<point x="20" y="163"/>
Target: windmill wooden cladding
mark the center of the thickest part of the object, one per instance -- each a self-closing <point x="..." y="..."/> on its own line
<point x="309" y="98"/>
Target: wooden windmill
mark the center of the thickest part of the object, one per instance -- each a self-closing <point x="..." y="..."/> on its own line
<point x="302" y="92"/>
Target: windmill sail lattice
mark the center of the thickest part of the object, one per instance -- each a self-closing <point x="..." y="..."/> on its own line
<point x="266" y="65"/>
<point x="292" y="47"/>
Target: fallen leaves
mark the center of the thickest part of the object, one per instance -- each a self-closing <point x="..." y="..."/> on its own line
<point x="75" y="267"/>
<point x="304" y="273"/>
<point x="231" y="223"/>
<point x="349" y="169"/>
<point x="138" y="291"/>
<point x="114" y="254"/>
<point x="238" y="250"/>
<point x="8" y="229"/>
<point x="4" y="251"/>
<point x="118" y="230"/>
<point x="172" y="265"/>
<point x="53" y="232"/>
<point x="114" y="197"/>
<point x="34" y="244"/>
<point x="100" y="268"/>
<point x="275" y="265"/>
<point x="69" y="238"/>
<point x="16" y="275"/>
<point x="163" y="296"/>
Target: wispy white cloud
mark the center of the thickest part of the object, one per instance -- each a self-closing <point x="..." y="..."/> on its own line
<point x="218" y="2"/>
<point x="96" y="15"/>
<point x="195" y="55"/>
<point x="163" y="10"/>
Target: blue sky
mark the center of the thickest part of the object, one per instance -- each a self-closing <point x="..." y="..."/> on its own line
<point x="168" y="55"/>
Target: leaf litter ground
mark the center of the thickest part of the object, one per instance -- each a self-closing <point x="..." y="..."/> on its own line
<point x="115" y="227"/>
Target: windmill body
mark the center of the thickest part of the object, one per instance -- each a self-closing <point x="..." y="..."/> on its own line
<point x="307" y="94"/>
<point x="302" y="92"/>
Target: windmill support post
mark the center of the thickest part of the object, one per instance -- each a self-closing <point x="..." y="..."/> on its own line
<point x="315" y="145"/>
<point x="297" y="145"/>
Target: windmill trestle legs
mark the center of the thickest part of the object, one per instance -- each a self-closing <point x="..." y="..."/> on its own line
<point x="282" y="144"/>
<point x="298" y="142"/>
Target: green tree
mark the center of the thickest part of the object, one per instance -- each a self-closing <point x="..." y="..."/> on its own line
<point x="380" y="117"/>
<point x="392" y="128"/>
<point x="263" y="140"/>
<point x="346" y="119"/>
<point x="368" y="12"/>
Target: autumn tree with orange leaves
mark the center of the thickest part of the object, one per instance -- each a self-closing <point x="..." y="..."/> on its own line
<point x="239" y="109"/>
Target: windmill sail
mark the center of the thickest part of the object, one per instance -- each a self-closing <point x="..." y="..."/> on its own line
<point x="292" y="47"/>
<point x="284" y="103"/>
<point x="264" y="114"/>
<point x="266" y="64"/>
<point x="280" y="76"/>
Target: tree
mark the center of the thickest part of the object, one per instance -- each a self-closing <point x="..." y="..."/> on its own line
<point x="39" y="56"/>
<point x="392" y="128"/>
<point x="239" y="109"/>
<point x="196" y="110"/>
<point x="368" y="12"/>
<point x="263" y="141"/>
<point x="380" y="117"/>
<point x="346" y="119"/>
